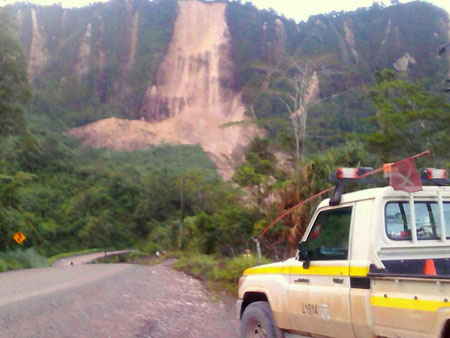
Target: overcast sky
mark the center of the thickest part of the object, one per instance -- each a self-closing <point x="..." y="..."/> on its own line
<point x="295" y="9"/>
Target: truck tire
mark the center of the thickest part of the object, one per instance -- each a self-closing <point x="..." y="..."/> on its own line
<point x="258" y="322"/>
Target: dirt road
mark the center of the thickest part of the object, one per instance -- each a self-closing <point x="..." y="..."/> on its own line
<point x="110" y="300"/>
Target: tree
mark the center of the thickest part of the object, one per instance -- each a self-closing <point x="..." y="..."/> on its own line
<point x="258" y="168"/>
<point x="297" y="86"/>
<point x="289" y="91"/>
<point x="10" y="213"/>
<point x="14" y="86"/>
<point x="408" y="119"/>
<point x="310" y="178"/>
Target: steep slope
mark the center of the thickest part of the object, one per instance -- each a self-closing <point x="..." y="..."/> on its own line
<point x="38" y="53"/>
<point x="198" y="63"/>
<point x="190" y="101"/>
<point x="97" y="60"/>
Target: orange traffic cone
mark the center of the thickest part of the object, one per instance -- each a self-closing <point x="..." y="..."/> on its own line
<point x="429" y="270"/>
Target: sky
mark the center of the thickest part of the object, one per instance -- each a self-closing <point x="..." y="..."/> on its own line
<point x="298" y="10"/>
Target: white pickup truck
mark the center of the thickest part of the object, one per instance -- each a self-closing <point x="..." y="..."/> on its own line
<point x="375" y="265"/>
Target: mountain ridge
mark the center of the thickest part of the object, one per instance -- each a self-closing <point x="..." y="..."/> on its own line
<point x="110" y="60"/>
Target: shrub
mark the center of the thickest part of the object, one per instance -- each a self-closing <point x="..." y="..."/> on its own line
<point x="21" y="259"/>
<point x="53" y="259"/>
<point x="3" y="265"/>
<point x="225" y="271"/>
<point x="151" y="248"/>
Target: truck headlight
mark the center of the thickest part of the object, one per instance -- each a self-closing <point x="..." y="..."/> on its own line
<point x="241" y="281"/>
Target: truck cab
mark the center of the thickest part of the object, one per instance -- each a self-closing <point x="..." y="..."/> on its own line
<point x="377" y="264"/>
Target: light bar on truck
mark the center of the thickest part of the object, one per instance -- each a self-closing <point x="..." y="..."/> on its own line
<point x="433" y="173"/>
<point x="347" y="173"/>
<point x="434" y="176"/>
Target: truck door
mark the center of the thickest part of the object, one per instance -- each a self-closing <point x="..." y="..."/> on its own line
<point x="319" y="296"/>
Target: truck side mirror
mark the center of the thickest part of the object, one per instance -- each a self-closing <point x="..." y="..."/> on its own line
<point x="303" y="254"/>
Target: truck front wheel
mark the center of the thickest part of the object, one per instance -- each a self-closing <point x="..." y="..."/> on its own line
<point x="258" y="322"/>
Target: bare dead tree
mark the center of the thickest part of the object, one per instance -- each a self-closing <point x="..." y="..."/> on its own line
<point x="302" y="79"/>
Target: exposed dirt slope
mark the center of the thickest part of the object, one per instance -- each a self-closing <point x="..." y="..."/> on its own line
<point x="189" y="102"/>
<point x="38" y="53"/>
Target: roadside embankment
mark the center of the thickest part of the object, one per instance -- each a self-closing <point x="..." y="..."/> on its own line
<point x="21" y="259"/>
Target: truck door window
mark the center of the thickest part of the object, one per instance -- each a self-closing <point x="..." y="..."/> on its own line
<point x="427" y="220"/>
<point x="329" y="236"/>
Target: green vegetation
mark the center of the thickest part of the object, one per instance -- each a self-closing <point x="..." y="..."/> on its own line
<point x="128" y="257"/>
<point x="221" y="272"/>
<point x="111" y="84"/>
<point x="54" y="258"/>
<point x="21" y="259"/>
<point x="345" y="49"/>
<point x="73" y="198"/>
<point x="67" y="198"/>
<point x="408" y="119"/>
<point x="14" y="87"/>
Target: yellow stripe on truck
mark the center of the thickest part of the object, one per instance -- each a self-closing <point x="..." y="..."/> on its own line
<point x="277" y="270"/>
<point x="359" y="271"/>
<point x="313" y="270"/>
<point x="406" y="303"/>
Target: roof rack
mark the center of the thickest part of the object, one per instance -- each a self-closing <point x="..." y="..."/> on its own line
<point x="342" y="176"/>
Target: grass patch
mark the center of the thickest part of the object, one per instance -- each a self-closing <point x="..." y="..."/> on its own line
<point x="219" y="273"/>
<point x="126" y="257"/>
<point x="52" y="259"/>
<point x="21" y="259"/>
<point x="139" y="257"/>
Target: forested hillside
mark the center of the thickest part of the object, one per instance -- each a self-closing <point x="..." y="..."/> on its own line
<point x="345" y="49"/>
<point x="318" y="93"/>
<point x="93" y="62"/>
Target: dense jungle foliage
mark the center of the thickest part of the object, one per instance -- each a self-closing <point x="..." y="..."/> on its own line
<point x="65" y="197"/>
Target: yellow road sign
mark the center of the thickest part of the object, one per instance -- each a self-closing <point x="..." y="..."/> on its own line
<point x="19" y="237"/>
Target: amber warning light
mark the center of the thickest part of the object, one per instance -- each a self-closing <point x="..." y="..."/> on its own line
<point x="387" y="170"/>
<point x="347" y="173"/>
<point x="434" y="176"/>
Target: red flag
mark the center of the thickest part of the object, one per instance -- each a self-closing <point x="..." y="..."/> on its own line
<point x="404" y="176"/>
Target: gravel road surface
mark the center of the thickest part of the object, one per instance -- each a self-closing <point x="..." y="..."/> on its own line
<point x="111" y="300"/>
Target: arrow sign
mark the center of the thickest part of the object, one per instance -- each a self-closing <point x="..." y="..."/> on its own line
<point x="19" y="237"/>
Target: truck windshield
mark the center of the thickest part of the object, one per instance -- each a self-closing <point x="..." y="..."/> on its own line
<point x="428" y="223"/>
